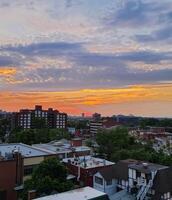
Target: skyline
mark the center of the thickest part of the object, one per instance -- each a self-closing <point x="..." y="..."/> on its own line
<point x="106" y="56"/>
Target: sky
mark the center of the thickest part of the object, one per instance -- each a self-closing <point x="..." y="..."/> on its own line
<point x="106" y="56"/>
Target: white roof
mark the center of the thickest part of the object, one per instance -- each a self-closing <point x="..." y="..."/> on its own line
<point x="64" y="148"/>
<point x="25" y="150"/>
<point x="88" y="162"/>
<point x="78" y="194"/>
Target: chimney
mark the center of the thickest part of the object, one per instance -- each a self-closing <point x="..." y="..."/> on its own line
<point x="31" y="194"/>
<point x="19" y="167"/>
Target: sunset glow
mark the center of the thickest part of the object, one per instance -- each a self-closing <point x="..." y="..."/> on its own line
<point x="107" y="56"/>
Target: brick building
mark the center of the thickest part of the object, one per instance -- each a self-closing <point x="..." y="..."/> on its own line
<point x="84" y="167"/>
<point x="32" y="156"/>
<point x="11" y="175"/>
<point x="28" y="118"/>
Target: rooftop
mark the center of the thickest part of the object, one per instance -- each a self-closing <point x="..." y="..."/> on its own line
<point x="122" y="195"/>
<point x="118" y="171"/>
<point x="25" y="150"/>
<point x="88" y="162"/>
<point x="146" y="167"/>
<point x="60" y="147"/>
<point x="86" y="193"/>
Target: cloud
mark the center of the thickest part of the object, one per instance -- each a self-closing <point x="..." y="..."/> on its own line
<point x="132" y="13"/>
<point x="80" y="100"/>
<point x="161" y="35"/>
<point x="71" y="65"/>
<point x="47" y="49"/>
<point x="7" y="71"/>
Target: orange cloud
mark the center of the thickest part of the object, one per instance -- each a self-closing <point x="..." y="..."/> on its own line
<point x="83" y="100"/>
<point x="6" y="71"/>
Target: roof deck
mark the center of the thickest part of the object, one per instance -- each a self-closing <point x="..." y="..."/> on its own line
<point x="88" y="162"/>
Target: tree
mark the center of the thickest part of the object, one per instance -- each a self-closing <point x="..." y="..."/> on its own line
<point x="4" y="128"/>
<point x="34" y="136"/>
<point x="48" y="177"/>
<point x="110" y="141"/>
<point x="39" y="123"/>
<point x="117" y="144"/>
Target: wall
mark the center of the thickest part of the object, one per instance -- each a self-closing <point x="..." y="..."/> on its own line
<point x="8" y="178"/>
<point x="86" y="175"/>
<point x="108" y="189"/>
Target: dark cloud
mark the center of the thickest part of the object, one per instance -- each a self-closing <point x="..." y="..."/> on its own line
<point x="133" y="13"/>
<point x="163" y="34"/>
<point x="149" y="57"/>
<point x="47" y="49"/>
<point x="6" y="61"/>
<point x="87" y="70"/>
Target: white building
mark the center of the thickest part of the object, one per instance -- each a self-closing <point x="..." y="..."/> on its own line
<point x="86" y="193"/>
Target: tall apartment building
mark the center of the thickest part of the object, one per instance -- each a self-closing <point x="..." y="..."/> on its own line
<point x="27" y="118"/>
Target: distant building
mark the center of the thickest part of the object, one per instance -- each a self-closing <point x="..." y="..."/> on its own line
<point x="84" y="168"/>
<point x="86" y="193"/>
<point x="96" y="116"/>
<point x="98" y="123"/>
<point x="27" y="118"/>
<point x="95" y="126"/>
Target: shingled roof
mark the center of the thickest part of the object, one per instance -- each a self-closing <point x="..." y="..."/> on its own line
<point x="118" y="171"/>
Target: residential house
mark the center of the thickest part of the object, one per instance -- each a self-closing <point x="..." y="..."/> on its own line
<point x="137" y="178"/>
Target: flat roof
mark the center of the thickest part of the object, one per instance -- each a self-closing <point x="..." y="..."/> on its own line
<point x="64" y="148"/>
<point x="88" y="162"/>
<point x="85" y="193"/>
<point x="25" y="150"/>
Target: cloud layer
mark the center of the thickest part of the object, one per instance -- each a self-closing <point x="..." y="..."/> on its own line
<point x="60" y="45"/>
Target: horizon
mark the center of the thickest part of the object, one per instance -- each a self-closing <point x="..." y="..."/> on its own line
<point x="77" y="56"/>
<point x="86" y="115"/>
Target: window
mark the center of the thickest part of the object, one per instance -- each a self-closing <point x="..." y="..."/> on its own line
<point x="98" y="180"/>
<point x="109" y="182"/>
<point x="28" y="170"/>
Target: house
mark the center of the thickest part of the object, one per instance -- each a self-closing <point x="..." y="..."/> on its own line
<point x="141" y="177"/>
<point x="113" y="179"/>
<point x="84" y="168"/>
<point x="137" y="178"/>
<point x="86" y="193"/>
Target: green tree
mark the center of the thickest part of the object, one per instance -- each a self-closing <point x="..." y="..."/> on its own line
<point x="33" y="136"/>
<point x="48" y="177"/>
<point x="117" y="144"/>
<point x="39" y="123"/>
